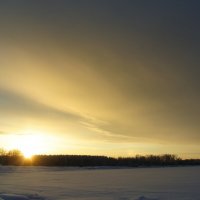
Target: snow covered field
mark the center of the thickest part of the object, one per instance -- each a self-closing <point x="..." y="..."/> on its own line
<point x="54" y="183"/>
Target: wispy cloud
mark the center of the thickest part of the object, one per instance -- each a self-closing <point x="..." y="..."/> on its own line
<point x="2" y="132"/>
<point x="16" y="104"/>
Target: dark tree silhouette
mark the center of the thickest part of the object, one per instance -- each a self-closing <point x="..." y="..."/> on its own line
<point x="15" y="157"/>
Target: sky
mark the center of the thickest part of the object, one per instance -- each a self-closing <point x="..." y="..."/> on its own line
<point x="98" y="77"/>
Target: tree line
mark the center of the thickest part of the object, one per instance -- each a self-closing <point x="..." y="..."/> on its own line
<point x="15" y="157"/>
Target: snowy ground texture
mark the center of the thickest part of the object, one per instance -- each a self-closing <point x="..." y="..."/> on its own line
<point x="54" y="183"/>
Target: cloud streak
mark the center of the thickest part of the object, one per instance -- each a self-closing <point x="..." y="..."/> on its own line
<point x="16" y="104"/>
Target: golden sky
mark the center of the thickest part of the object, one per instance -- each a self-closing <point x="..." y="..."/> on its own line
<point x="100" y="77"/>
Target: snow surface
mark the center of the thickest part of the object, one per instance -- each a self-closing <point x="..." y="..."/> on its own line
<point x="54" y="183"/>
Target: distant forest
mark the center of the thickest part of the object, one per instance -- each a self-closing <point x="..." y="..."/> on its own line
<point x="15" y="157"/>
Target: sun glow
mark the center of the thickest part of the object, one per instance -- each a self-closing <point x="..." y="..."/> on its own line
<point x="30" y="143"/>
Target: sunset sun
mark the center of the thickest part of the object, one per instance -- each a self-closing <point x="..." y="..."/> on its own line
<point x="30" y="142"/>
